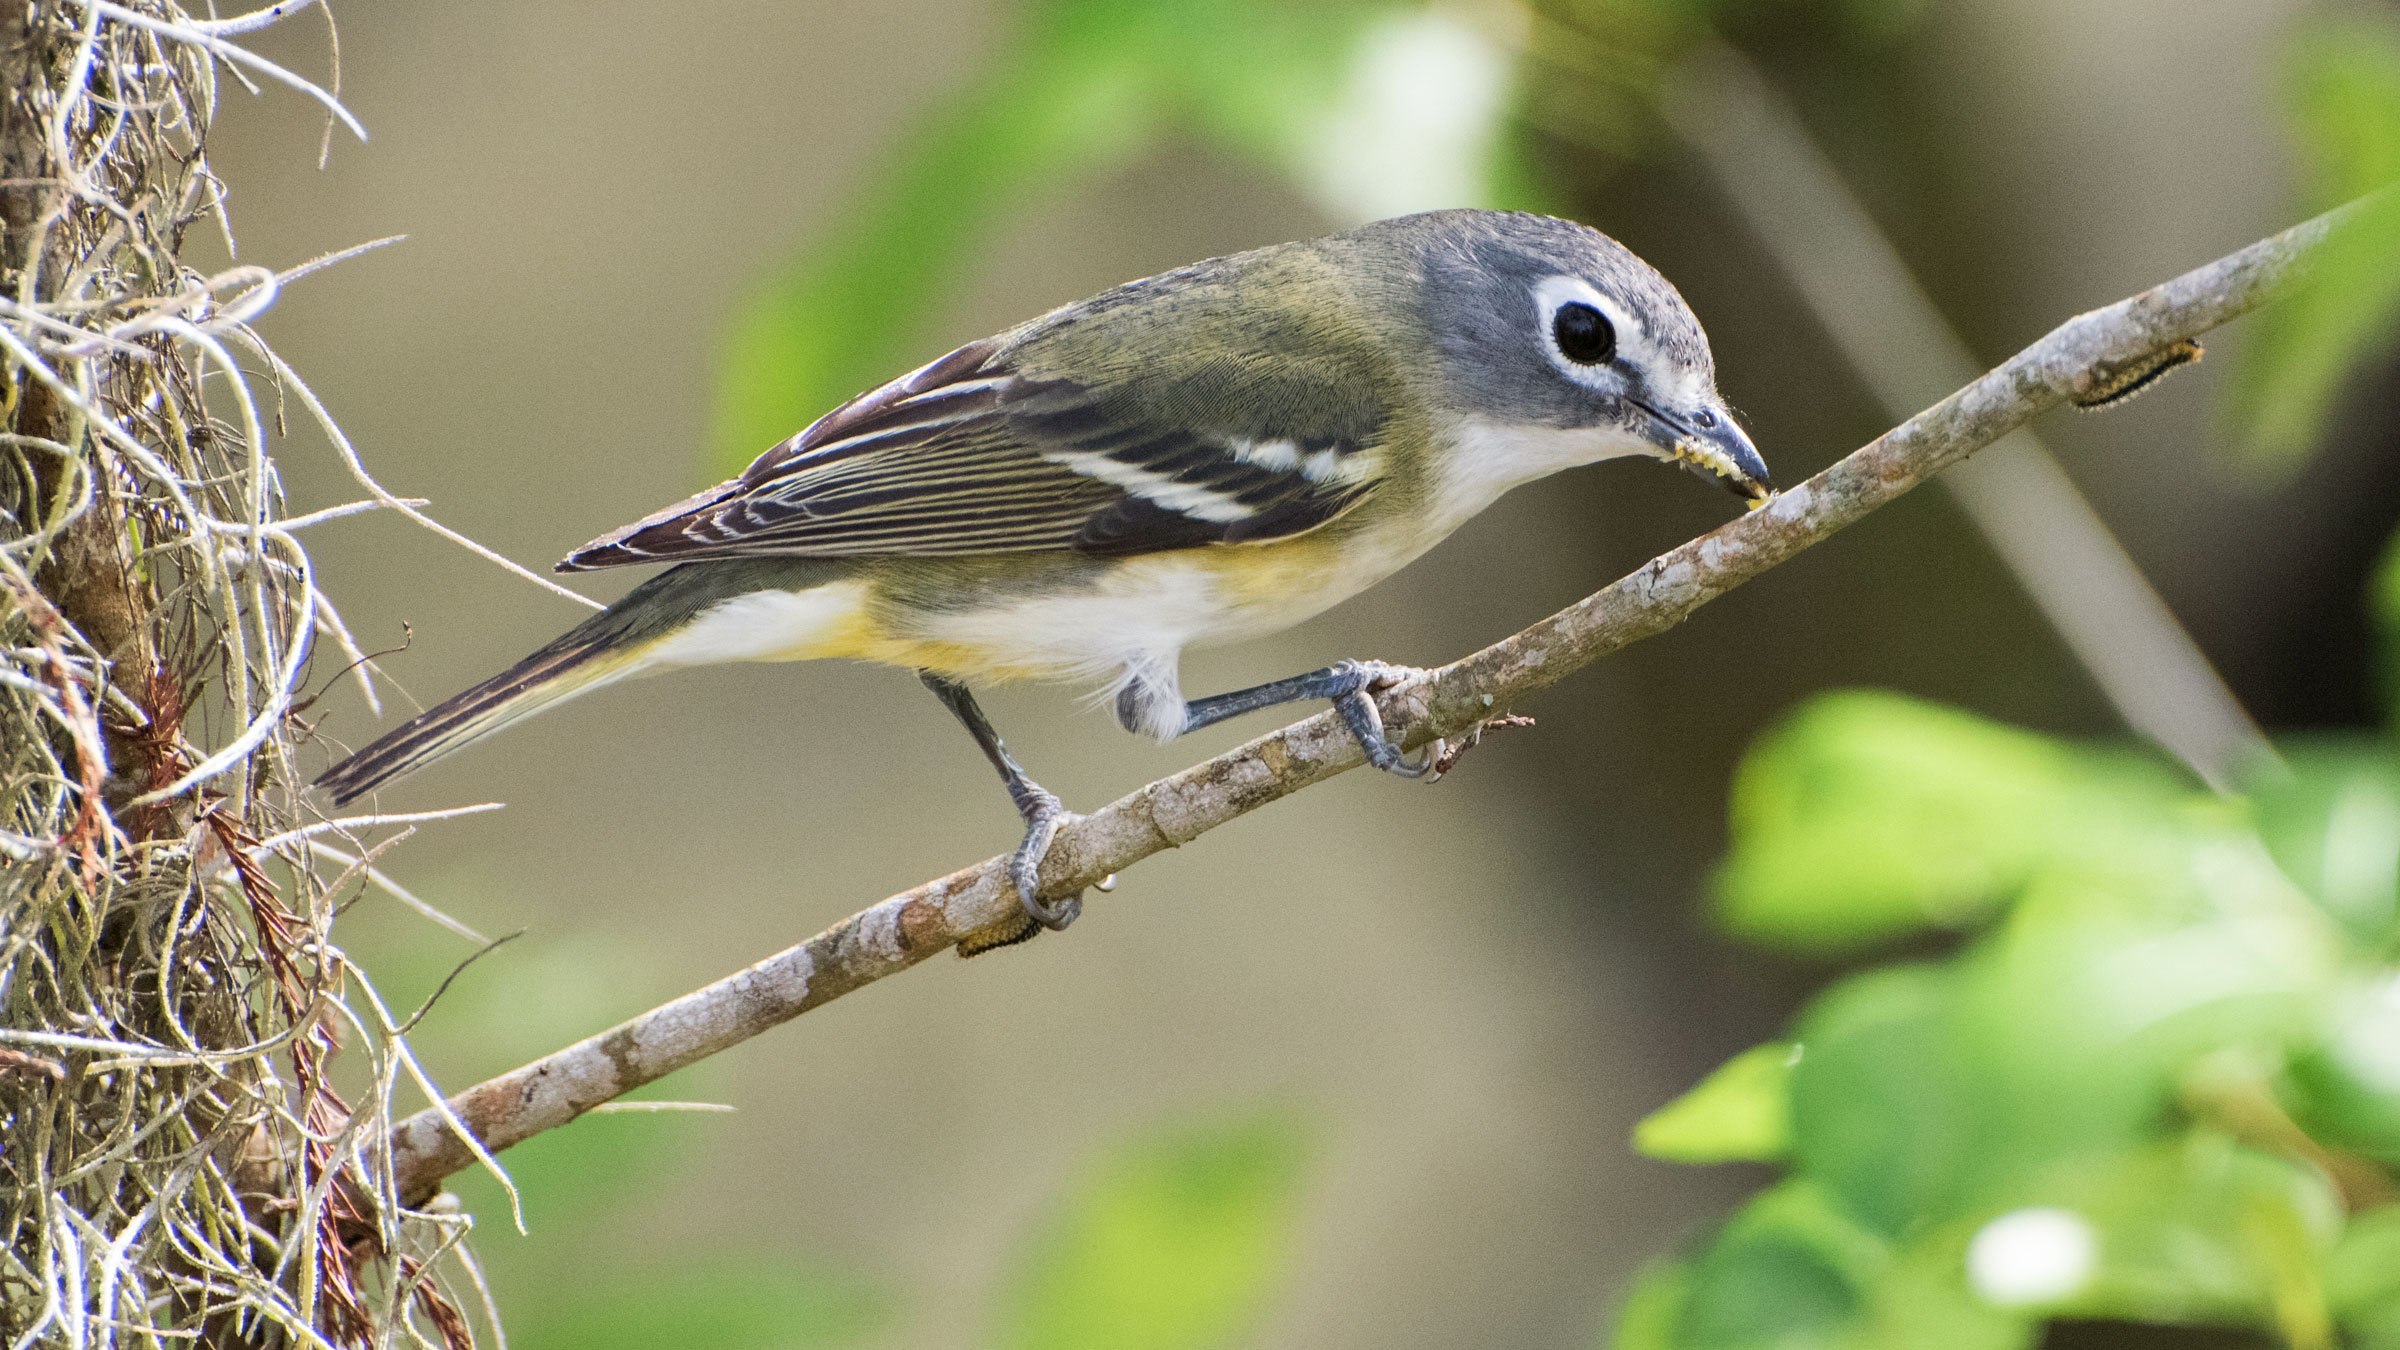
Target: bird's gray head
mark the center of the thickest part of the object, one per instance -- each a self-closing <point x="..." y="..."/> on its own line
<point x="1547" y="326"/>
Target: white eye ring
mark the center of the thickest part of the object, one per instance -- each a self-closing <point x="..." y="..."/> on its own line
<point x="1551" y="294"/>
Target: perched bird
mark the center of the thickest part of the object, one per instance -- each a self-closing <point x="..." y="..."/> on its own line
<point x="1210" y="454"/>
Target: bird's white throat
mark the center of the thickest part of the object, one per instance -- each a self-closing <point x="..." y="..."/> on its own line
<point x="1489" y="457"/>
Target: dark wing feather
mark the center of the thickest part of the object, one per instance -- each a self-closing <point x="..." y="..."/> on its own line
<point x="967" y="455"/>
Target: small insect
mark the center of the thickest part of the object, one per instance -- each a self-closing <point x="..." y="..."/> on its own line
<point x="2104" y="386"/>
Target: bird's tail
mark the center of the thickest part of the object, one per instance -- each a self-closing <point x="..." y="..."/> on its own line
<point x="541" y="681"/>
<point x="618" y="642"/>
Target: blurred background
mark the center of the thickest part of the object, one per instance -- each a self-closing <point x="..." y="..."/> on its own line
<point x="1360" y="1070"/>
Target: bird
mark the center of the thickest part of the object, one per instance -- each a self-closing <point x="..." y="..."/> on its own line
<point x="1203" y="456"/>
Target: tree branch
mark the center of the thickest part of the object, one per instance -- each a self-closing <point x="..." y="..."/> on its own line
<point x="885" y="939"/>
<point x="1880" y="319"/>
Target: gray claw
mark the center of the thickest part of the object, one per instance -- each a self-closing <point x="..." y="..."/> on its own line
<point x="1427" y="763"/>
<point x="1359" y="710"/>
<point x="1042" y="822"/>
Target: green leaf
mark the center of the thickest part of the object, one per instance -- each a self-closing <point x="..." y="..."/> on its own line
<point x="1927" y="1093"/>
<point x="2376" y="1327"/>
<point x="2199" y="1230"/>
<point x="739" y="1304"/>
<point x="1867" y="815"/>
<point x="2080" y="1020"/>
<point x="1924" y="1300"/>
<point x="1253" y="76"/>
<point x="1795" y="1271"/>
<point x="2383" y="598"/>
<point x="2332" y="822"/>
<point x="1882" y="1114"/>
<point x="2078" y="1068"/>
<point x="2343" y="82"/>
<point x="1791" y="1270"/>
<point x="1740" y="1113"/>
<point x="1178" y="1244"/>
<point x="1652" y="1316"/>
<point x="2363" y="1273"/>
<point x="2345" y="1090"/>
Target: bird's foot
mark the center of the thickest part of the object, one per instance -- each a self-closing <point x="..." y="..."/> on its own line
<point x="1044" y="813"/>
<point x="1358" y="708"/>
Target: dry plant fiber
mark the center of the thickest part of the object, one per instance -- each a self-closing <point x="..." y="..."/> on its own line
<point x="176" y="1166"/>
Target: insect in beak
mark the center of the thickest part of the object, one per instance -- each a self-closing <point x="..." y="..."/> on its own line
<point x="1710" y="443"/>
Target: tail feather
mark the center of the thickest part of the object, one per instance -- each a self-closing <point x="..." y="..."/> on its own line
<point x="606" y="647"/>
<point x="541" y="681"/>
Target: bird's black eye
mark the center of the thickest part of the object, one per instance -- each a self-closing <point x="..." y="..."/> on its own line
<point x="1583" y="333"/>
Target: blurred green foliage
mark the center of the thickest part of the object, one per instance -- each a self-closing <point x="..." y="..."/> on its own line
<point x="1597" y="69"/>
<point x="1866" y="817"/>
<point x="1366" y="107"/>
<point x="562" y="1291"/>
<point x="2383" y="598"/>
<point x="1177" y="1244"/>
<point x="1178" y="1241"/>
<point x="2157" y="1080"/>
<point x="580" y="1275"/>
<point x="1332" y="96"/>
<point x="1084" y="86"/>
<point x="2342" y="75"/>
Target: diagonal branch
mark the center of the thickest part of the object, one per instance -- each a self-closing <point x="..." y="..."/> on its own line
<point x="1894" y="337"/>
<point x="2075" y="359"/>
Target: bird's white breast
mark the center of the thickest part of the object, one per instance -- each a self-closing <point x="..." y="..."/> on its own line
<point x="1137" y="612"/>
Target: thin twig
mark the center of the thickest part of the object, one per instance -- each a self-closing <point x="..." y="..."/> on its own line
<point x="907" y="928"/>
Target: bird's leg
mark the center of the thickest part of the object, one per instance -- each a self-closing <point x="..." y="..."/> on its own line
<point x="1351" y="686"/>
<point x="1041" y="809"/>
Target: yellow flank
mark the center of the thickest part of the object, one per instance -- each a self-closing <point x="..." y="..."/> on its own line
<point x="855" y="636"/>
<point x="1276" y="576"/>
<point x="1095" y="620"/>
<point x="859" y="635"/>
<point x="956" y="660"/>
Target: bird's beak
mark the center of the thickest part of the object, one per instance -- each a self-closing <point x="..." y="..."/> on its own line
<point x="1709" y="443"/>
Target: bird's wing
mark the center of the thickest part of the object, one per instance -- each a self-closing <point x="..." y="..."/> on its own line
<point x="968" y="454"/>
